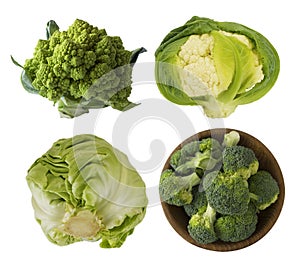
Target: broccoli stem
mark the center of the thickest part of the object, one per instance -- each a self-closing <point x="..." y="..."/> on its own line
<point x="200" y="160"/>
<point x="191" y="180"/>
<point x="231" y="139"/>
<point x="253" y="196"/>
<point x="210" y="213"/>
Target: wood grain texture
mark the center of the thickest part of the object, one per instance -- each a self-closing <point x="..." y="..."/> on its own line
<point x="266" y="219"/>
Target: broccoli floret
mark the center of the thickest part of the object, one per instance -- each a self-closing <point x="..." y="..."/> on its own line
<point x="208" y="144"/>
<point x="264" y="189"/>
<point x="237" y="228"/>
<point x="199" y="202"/>
<point x="175" y="158"/>
<point x="200" y="160"/>
<point x="189" y="150"/>
<point x="240" y="160"/>
<point x="184" y="154"/>
<point x="177" y="190"/>
<point x="201" y="226"/>
<point x="206" y="155"/>
<point x="227" y="194"/>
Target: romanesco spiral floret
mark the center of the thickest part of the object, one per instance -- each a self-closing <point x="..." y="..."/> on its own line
<point x="89" y="59"/>
<point x="119" y="100"/>
<point x="55" y="40"/>
<point x="49" y="84"/>
<point x="106" y="52"/>
<point x="99" y="70"/>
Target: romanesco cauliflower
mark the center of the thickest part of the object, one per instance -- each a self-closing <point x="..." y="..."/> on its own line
<point x="81" y="68"/>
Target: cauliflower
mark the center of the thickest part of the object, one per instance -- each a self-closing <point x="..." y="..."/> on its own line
<point x="80" y="68"/>
<point x="196" y="57"/>
<point x="218" y="65"/>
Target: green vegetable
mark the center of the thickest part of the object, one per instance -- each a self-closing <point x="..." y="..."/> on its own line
<point x="177" y="190"/>
<point x="219" y="188"/>
<point x="227" y="194"/>
<point x="204" y="155"/>
<point x="80" y="69"/>
<point x="199" y="202"/>
<point x="240" y="160"/>
<point x="231" y="139"/>
<point x="175" y="159"/>
<point x="263" y="189"/>
<point x="85" y="189"/>
<point x="201" y="226"/>
<point x="218" y="65"/>
<point x="237" y="228"/>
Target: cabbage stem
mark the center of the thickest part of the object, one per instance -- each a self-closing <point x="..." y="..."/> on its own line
<point x="83" y="225"/>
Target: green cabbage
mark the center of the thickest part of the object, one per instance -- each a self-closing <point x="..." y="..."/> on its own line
<point x="85" y="189"/>
<point x="218" y="65"/>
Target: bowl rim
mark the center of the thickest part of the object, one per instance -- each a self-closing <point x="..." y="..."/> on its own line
<point x="267" y="218"/>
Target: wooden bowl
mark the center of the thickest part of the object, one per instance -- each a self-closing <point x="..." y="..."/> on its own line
<point x="266" y="219"/>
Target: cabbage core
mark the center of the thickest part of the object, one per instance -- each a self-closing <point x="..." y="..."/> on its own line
<point x="83" y="225"/>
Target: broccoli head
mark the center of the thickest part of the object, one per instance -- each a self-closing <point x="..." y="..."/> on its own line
<point x="201" y="226"/>
<point x="235" y="228"/>
<point x="240" y="160"/>
<point x="177" y="190"/>
<point x="263" y="188"/>
<point x="227" y="194"/>
<point x="189" y="150"/>
<point x="199" y="202"/>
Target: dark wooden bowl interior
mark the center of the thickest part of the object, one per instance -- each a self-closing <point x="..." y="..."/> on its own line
<point x="266" y="219"/>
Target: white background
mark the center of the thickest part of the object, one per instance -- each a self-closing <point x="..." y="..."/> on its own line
<point x="30" y="124"/>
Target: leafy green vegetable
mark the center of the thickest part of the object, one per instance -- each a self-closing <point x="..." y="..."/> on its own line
<point x="85" y="189"/>
<point x="80" y="69"/>
<point x="218" y="65"/>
